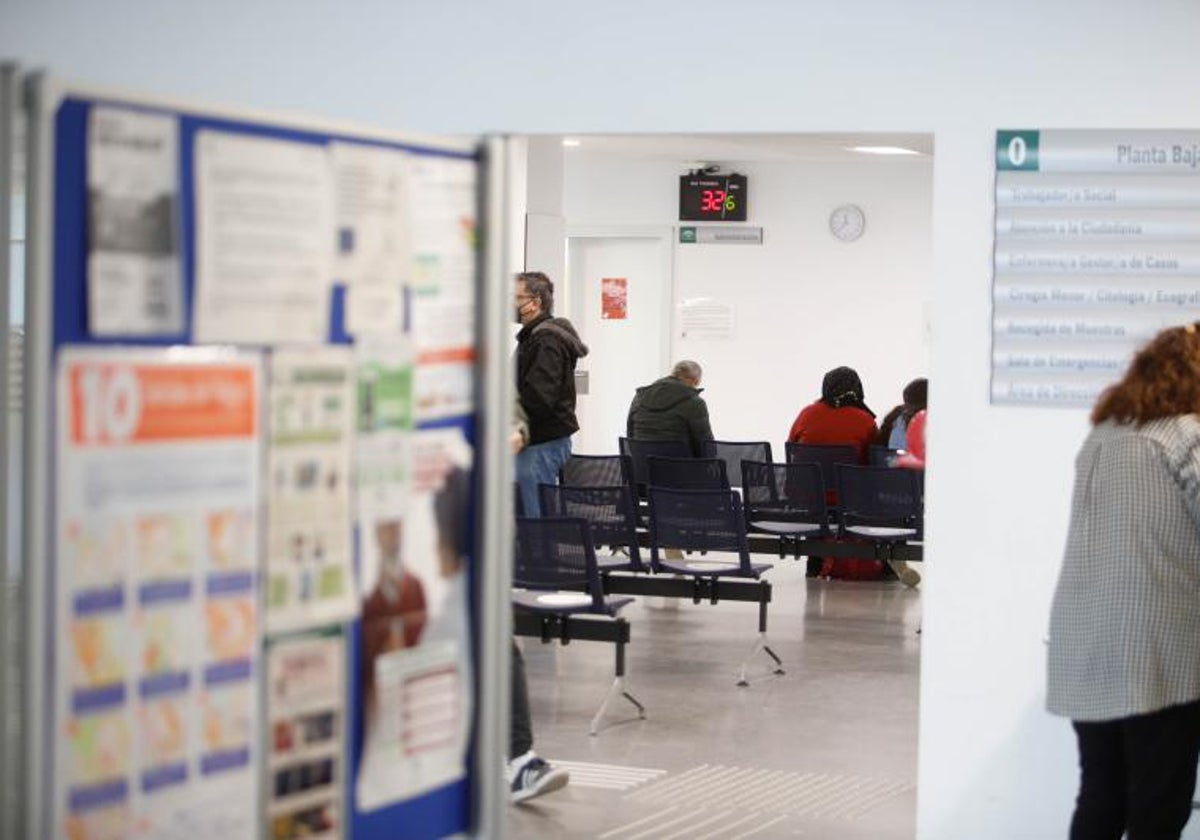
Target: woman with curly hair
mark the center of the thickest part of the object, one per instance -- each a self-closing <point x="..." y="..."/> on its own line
<point x="1124" y="650"/>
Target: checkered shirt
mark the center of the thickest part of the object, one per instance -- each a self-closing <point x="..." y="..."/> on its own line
<point x="1125" y="621"/>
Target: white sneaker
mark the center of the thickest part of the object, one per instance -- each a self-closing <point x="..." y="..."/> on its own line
<point x="536" y="777"/>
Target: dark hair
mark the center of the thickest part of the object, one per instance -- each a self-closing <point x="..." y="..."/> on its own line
<point x="1162" y="381"/>
<point x="450" y="510"/>
<point x="539" y="286"/>
<point x="916" y="397"/>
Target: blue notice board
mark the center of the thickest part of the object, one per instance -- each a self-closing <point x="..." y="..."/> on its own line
<point x="444" y="811"/>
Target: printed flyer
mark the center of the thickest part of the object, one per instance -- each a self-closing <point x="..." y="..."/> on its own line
<point x="374" y="254"/>
<point x="264" y="239"/>
<point x="157" y="511"/>
<point x="385" y="419"/>
<point x="415" y="682"/>
<point x="442" y="285"/>
<point x="306" y="680"/>
<point x="309" y="550"/>
<point x="135" y="283"/>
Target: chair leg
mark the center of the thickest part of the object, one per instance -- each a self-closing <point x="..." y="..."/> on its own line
<point x="617" y="687"/>
<point x="760" y="643"/>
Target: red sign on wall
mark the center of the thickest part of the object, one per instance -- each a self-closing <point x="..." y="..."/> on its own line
<point x="614" y="298"/>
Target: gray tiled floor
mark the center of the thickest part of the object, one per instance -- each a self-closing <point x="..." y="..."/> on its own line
<point x="826" y="751"/>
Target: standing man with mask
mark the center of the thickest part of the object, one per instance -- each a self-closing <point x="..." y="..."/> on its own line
<point x="547" y="350"/>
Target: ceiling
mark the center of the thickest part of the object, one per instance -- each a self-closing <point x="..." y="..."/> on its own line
<point x="750" y="147"/>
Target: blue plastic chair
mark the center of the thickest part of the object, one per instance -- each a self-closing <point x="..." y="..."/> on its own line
<point x="611" y="514"/>
<point x="640" y="450"/>
<point x="686" y="473"/>
<point x="879" y="503"/>
<point x="787" y="500"/>
<point x="706" y="520"/>
<point x="555" y="574"/>
<point x="734" y="452"/>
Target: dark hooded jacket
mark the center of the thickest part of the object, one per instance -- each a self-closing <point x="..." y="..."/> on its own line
<point x="669" y="409"/>
<point x="547" y="350"/>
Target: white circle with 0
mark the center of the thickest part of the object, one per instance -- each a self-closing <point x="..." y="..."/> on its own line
<point x="847" y="222"/>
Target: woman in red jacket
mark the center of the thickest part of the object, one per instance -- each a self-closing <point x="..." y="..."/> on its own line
<point x="839" y="417"/>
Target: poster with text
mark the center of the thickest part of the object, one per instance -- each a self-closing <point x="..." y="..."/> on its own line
<point x="442" y="285"/>
<point x="374" y="254"/>
<point x="135" y="283"/>
<point x="156" y="594"/>
<point x="385" y="421"/>
<point x="309" y="550"/>
<point x="306" y="725"/>
<point x="614" y="298"/>
<point x="415" y="679"/>
<point x="264" y="239"/>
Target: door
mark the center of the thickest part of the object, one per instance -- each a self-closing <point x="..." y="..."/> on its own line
<point x="619" y="298"/>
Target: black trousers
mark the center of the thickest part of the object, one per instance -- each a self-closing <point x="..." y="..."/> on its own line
<point x="520" y="739"/>
<point x="1137" y="775"/>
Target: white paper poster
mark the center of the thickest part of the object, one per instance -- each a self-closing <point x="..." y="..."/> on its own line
<point x="135" y="285"/>
<point x="415" y="679"/>
<point x="309" y="552"/>
<point x="374" y="254"/>
<point x="156" y="557"/>
<point x="442" y="288"/>
<point x="385" y="421"/>
<point x="264" y="239"/>
<point x="306" y="683"/>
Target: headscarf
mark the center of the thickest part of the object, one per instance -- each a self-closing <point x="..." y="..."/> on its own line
<point x="842" y="387"/>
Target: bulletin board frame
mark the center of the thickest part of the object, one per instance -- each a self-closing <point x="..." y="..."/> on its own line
<point x="56" y="317"/>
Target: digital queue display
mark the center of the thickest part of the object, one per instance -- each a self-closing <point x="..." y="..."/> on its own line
<point x="712" y="198"/>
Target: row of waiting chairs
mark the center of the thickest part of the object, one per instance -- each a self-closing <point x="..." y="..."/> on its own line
<point x="691" y="507"/>
<point x="732" y="453"/>
<point x="794" y="499"/>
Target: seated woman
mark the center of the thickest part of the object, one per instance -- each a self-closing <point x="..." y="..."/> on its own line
<point x="839" y="417"/>
<point x="893" y="431"/>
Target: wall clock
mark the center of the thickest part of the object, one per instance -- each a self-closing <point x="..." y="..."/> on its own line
<point x="847" y="222"/>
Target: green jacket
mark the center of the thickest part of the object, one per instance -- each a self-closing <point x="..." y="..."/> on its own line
<point x="669" y="410"/>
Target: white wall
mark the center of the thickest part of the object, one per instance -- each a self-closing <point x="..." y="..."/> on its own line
<point x="803" y="301"/>
<point x="992" y="765"/>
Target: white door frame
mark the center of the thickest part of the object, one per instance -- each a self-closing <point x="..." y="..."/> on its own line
<point x="665" y="233"/>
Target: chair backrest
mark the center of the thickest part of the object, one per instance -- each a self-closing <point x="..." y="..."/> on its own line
<point x="556" y="553"/>
<point x="697" y="520"/>
<point x="597" y="471"/>
<point x="640" y="450"/>
<point x="611" y="513"/>
<point x="734" y="452"/>
<point x="879" y="496"/>
<point x="881" y="456"/>
<point x="786" y="492"/>
<point x="828" y="456"/>
<point x="686" y="473"/>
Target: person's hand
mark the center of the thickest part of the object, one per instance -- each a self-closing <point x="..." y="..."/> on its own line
<point x="517" y="441"/>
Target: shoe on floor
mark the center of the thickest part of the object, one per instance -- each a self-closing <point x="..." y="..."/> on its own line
<point x="910" y="577"/>
<point x="536" y="777"/>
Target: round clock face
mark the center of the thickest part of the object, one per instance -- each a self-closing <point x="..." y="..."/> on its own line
<point x="847" y="222"/>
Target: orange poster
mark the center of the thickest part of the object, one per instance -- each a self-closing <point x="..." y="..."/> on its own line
<point x="114" y="403"/>
<point x="614" y="298"/>
<point x="158" y="512"/>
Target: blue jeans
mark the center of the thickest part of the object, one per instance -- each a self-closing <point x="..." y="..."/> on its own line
<point x="539" y="464"/>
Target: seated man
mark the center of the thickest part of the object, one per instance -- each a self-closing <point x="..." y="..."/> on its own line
<point x="671" y="408"/>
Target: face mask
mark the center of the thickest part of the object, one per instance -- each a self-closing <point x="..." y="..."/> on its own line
<point x="518" y="311"/>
